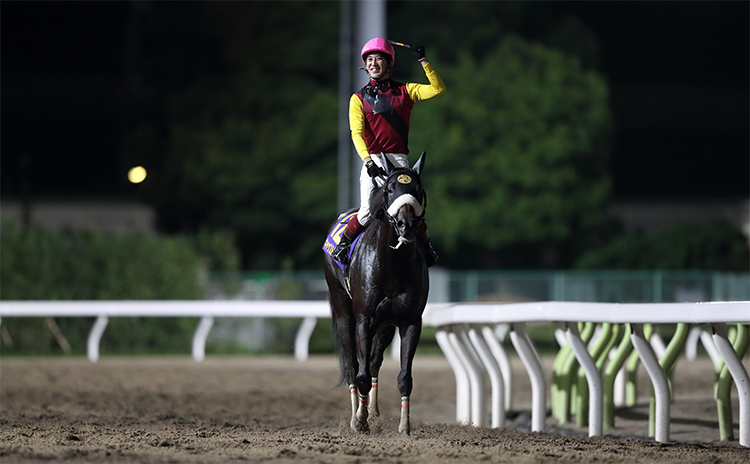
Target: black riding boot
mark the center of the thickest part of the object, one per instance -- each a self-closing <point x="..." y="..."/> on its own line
<point x="341" y="252"/>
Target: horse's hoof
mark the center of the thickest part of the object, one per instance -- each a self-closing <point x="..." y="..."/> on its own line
<point x="360" y="427"/>
<point x="405" y="433"/>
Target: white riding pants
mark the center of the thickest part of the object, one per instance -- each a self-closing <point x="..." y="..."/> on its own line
<point x="399" y="160"/>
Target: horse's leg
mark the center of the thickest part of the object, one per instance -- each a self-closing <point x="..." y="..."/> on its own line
<point x="409" y="340"/>
<point x="348" y="370"/>
<point x="343" y="325"/>
<point x="379" y="343"/>
<point x="353" y="422"/>
<point x="349" y="363"/>
<point x="363" y="380"/>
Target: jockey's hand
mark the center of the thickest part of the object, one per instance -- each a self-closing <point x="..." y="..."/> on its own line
<point x="373" y="169"/>
<point x="417" y="51"/>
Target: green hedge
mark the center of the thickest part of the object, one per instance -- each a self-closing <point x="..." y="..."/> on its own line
<point x="713" y="246"/>
<point x="42" y="264"/>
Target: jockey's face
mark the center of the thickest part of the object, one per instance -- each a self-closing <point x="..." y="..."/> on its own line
<point x="377" y="66"/>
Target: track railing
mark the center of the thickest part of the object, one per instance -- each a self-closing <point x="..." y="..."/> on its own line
<point x="471" y="337"/>
<point x="459" y="326"/>
<point x="207" y="310"/>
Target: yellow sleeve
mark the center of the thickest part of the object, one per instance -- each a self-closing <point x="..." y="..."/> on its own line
<point x="357" y="126"/>
<point x="423" y="91"/>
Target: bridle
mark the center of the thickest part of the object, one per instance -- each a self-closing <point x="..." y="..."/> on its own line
<point x="404" y="177"/>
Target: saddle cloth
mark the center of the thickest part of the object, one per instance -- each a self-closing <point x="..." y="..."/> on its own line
<point x="334" y="237"/>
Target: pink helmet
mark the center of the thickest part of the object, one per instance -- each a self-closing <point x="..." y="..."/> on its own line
<point x="378" y="45"/>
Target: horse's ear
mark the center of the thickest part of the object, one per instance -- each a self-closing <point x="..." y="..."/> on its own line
<point x="388" y="165"/>
<point x="420" y="163"/>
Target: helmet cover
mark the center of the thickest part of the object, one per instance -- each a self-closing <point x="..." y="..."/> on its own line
<point x="378" y="45"/>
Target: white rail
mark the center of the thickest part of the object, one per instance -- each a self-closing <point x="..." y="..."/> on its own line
<point x="207" y="310"/>
<point x="458" y="336"/>
<point x="460" y="318"/>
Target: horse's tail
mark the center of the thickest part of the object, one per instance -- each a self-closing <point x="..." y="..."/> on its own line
<point x="340" y="354"/>
<point x="347" y="360"/>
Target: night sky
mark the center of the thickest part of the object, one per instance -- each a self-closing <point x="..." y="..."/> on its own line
<point x="678" y="73"/>
<point x="62" y="67"/>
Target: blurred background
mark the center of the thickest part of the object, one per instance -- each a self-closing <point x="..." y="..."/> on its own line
<point x="593" y="151"/>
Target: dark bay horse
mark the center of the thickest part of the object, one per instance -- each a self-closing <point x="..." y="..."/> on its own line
<point x="386" y="287"/>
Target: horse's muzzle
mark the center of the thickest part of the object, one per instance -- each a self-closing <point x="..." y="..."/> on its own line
<point x="406" y="223"/>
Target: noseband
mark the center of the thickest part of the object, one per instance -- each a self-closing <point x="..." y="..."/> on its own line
<point x="407" y="192"/>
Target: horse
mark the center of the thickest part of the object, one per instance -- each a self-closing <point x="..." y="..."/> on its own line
<point x="385" y="288"/>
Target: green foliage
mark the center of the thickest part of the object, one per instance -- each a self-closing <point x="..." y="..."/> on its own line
<point x="124" y="335"/>
<point x="148" y="335"/>
<point x="516" y="149"/>
<point x="715" y="246"/>
<point x="517" y="146"/>
<point x="322" y="339"/>
<point x="255" y="153"/>
<point x="251" y="133"/>
<point x="475" y="28"/>
<point x="217" y="250"/>
<point x="41" y="264"/>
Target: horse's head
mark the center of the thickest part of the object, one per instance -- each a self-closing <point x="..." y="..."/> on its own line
<point x="404" y="198"/>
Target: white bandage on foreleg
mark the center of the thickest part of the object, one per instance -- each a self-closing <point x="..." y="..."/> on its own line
<point x="404" y="424"/>
<point x="405" y="199"/>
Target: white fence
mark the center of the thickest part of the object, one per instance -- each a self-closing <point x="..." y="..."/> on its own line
<point x="207" y="310"/>
<point x="470" y="353"/>
<point x="468" y="336"/>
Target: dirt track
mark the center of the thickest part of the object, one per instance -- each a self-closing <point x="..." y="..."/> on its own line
<point x="276" y="409"/>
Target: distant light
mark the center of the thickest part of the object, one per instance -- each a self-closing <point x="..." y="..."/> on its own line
<point x="137" y="174"/>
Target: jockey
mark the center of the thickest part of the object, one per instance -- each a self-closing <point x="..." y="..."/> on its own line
<point x="379" y="121"/>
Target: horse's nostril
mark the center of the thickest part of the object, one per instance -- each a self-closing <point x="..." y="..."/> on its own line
<point x="401" y="223"/>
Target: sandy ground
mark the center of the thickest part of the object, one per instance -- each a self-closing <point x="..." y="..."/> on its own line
<point x="275" y="409"/>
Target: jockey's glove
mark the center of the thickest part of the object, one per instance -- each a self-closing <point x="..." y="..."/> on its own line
<point x="373" y="169"/>
<point x="417" y="51"/>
